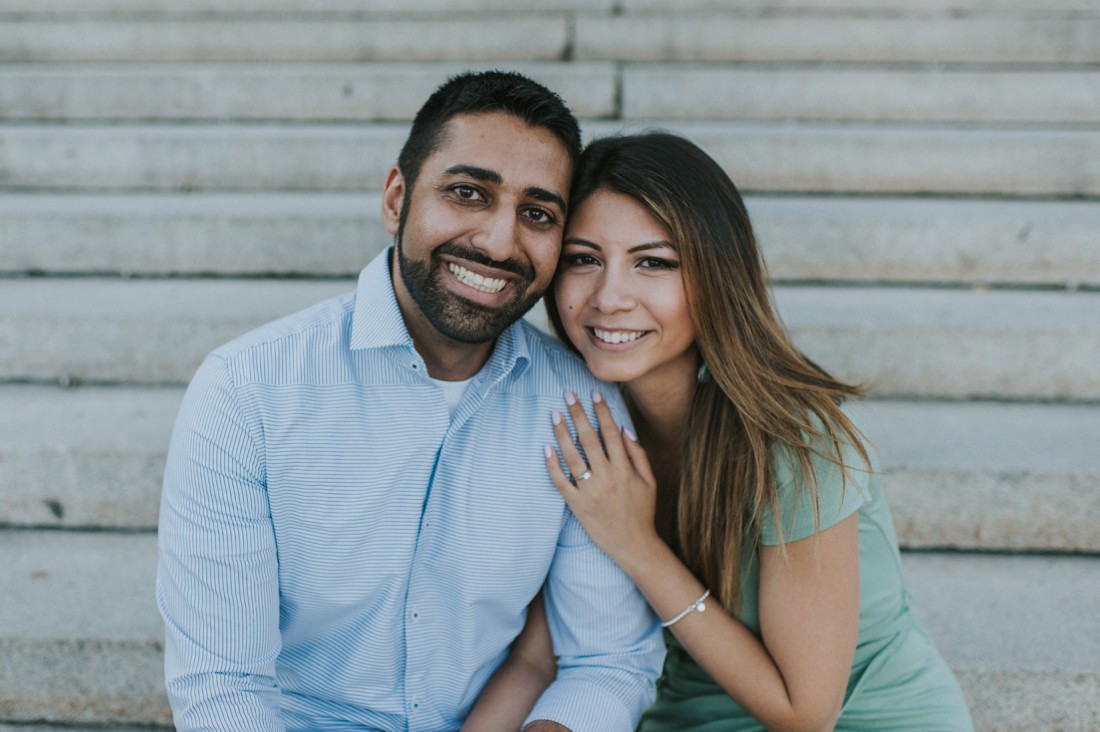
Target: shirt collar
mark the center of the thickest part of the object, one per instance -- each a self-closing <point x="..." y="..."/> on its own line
<point x="377" y="323"/>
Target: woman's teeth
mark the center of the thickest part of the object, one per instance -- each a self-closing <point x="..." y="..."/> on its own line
<point x="476" y="281"/>
<point x="618" y="336"/>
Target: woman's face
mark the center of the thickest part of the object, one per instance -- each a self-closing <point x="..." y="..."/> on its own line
<point x="620" y="292"/>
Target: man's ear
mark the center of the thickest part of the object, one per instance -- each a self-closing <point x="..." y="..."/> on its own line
<point x="393" y="198"/>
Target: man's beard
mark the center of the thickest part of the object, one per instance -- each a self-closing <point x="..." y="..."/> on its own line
<point x="453" y="316"/>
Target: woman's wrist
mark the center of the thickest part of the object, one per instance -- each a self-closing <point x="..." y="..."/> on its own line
<point x="646" y="556"/>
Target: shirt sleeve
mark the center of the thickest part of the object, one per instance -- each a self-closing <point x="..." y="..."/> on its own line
<point x="608" y="642"/>
<point x="841" y="491"/>
<point x="217" y="580"/>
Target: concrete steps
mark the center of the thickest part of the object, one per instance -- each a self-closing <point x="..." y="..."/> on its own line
<point x="109" y="643"/>
<point x="838" y="239"/>
<point x="924" y="176"/>
<point x="975" y="475"/>
<point x="795" y="158"/>
<point x="901" y="341"/>
<point x="284" y="92"/>
<point x="555" y="32"/>
<point x="361" y="92"/>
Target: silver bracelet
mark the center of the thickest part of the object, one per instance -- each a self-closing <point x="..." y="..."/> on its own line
<point x="698" y="605"/>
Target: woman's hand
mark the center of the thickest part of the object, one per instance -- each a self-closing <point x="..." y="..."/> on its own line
<point x="613" y="495"/>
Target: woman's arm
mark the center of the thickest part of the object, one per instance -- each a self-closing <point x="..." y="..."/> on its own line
<point x="515" y="687"/>
<point x="793" y="678"/>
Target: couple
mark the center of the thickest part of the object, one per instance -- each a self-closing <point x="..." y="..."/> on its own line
<point x="403" y="509"/>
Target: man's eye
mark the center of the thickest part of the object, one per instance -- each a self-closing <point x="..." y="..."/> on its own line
<point x="467" y="193"/>
<point x="539" y="216"/>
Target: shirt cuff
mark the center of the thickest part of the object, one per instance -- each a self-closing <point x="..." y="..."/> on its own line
<point x="582" y="707"/>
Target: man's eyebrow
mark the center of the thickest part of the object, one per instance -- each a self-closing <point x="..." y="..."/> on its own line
<point x="491" y="176"/>
<point x="482" y="174"/>
<point x="541" y="194"/>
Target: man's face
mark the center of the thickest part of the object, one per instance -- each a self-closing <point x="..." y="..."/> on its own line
<point x="480" y="240"/>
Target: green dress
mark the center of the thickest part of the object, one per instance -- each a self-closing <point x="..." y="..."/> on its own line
<point x="898" y="680"/>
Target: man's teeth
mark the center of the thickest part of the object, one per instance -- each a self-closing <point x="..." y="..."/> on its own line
<point x="618" y="336"/>
<point x="476" y="281"/>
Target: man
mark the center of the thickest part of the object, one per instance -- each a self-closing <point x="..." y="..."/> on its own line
<point x="356" y="509"/>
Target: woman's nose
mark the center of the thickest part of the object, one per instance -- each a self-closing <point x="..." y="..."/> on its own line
<point x="613" y="293"/>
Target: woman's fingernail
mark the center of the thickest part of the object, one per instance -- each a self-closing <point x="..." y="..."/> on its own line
<point x="630" y="433"/>
<point x="597" y="396"/>
<point x="548" y="451"/>
<point x="555" y="417"/>
<point x="570" y="398"/>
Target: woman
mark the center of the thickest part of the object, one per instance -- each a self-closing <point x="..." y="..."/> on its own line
<point x="747" y="508"/>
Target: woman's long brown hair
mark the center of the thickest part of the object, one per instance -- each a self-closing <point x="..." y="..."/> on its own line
<point x="762" y="399"/>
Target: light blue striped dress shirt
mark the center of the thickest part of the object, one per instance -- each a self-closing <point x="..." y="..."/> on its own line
<point x="337" y="552"/>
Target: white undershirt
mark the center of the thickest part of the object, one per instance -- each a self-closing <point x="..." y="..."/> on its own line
<point x="452" y="391"/>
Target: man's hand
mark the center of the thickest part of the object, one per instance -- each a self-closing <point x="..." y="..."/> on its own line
<point x="543" y="725"/>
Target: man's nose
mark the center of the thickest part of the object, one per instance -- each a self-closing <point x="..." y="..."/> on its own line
<point x="498" y="236"/>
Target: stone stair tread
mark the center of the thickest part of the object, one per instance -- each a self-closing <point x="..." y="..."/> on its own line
<point x="282" y="91"/>
<point x="84" y="458"/>
<point x="990" y="475"/>
<point x="545" y="33"/>
<point x="990" y="96"/>
<point x="972" y="475"/>
<point x="803" y="238"/>
<point x="285" y="8"/>
<point x="1059" y="38"/>
<point x="394" y="91"/>
<point x="902" y="341"/>
<point x="30" y="8"/>
<point x="98" y="588"/>
<point x="476" y="38"/>
<point x="761" y="157"/>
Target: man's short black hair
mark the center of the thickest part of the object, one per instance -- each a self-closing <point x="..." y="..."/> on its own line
<point x="484" y="92"/>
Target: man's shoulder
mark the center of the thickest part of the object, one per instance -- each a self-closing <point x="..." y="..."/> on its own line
<point x="326" y="320"/>
<point x="551" y="359"/>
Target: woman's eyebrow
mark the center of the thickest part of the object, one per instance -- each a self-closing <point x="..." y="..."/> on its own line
<point x="651" y="245"/>
<point x="581" y="242"/>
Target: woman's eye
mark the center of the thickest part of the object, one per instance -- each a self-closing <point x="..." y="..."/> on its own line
<point x="656" y="263"/>
<point x="578" y="260"/>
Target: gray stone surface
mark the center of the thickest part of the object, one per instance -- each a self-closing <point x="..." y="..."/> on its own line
<point x="285" y="92"/>
<point x="903" y="159"/>
<point x="79" y="619"/>
<point x="803" y="238"/>
<point x="1021" y="632"/>
<point x="1032" y="701"/>
<point x="79" y="631"/>
<point x="951" y="343"/>
<point x="1004" y="611"/>
<point x="990" y="476"/>
<point x="936" y="240"/>
<point x="474" y="39"/>
<point x="186" y="158"/>
<point x="899" y="341"/>
<point x="759" y="157"/>
<point x="868" y="7"/>
<point x="135" y="331"/>
<point x="721" y="37"/>
<point x="254" y="234"/>
<point x="83" y="457"/>
<point x="294" y="8"/>
<point x="693" y="91"/>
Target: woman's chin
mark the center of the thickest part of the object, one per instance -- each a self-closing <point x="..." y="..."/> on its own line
<point x="610" y="372"/>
